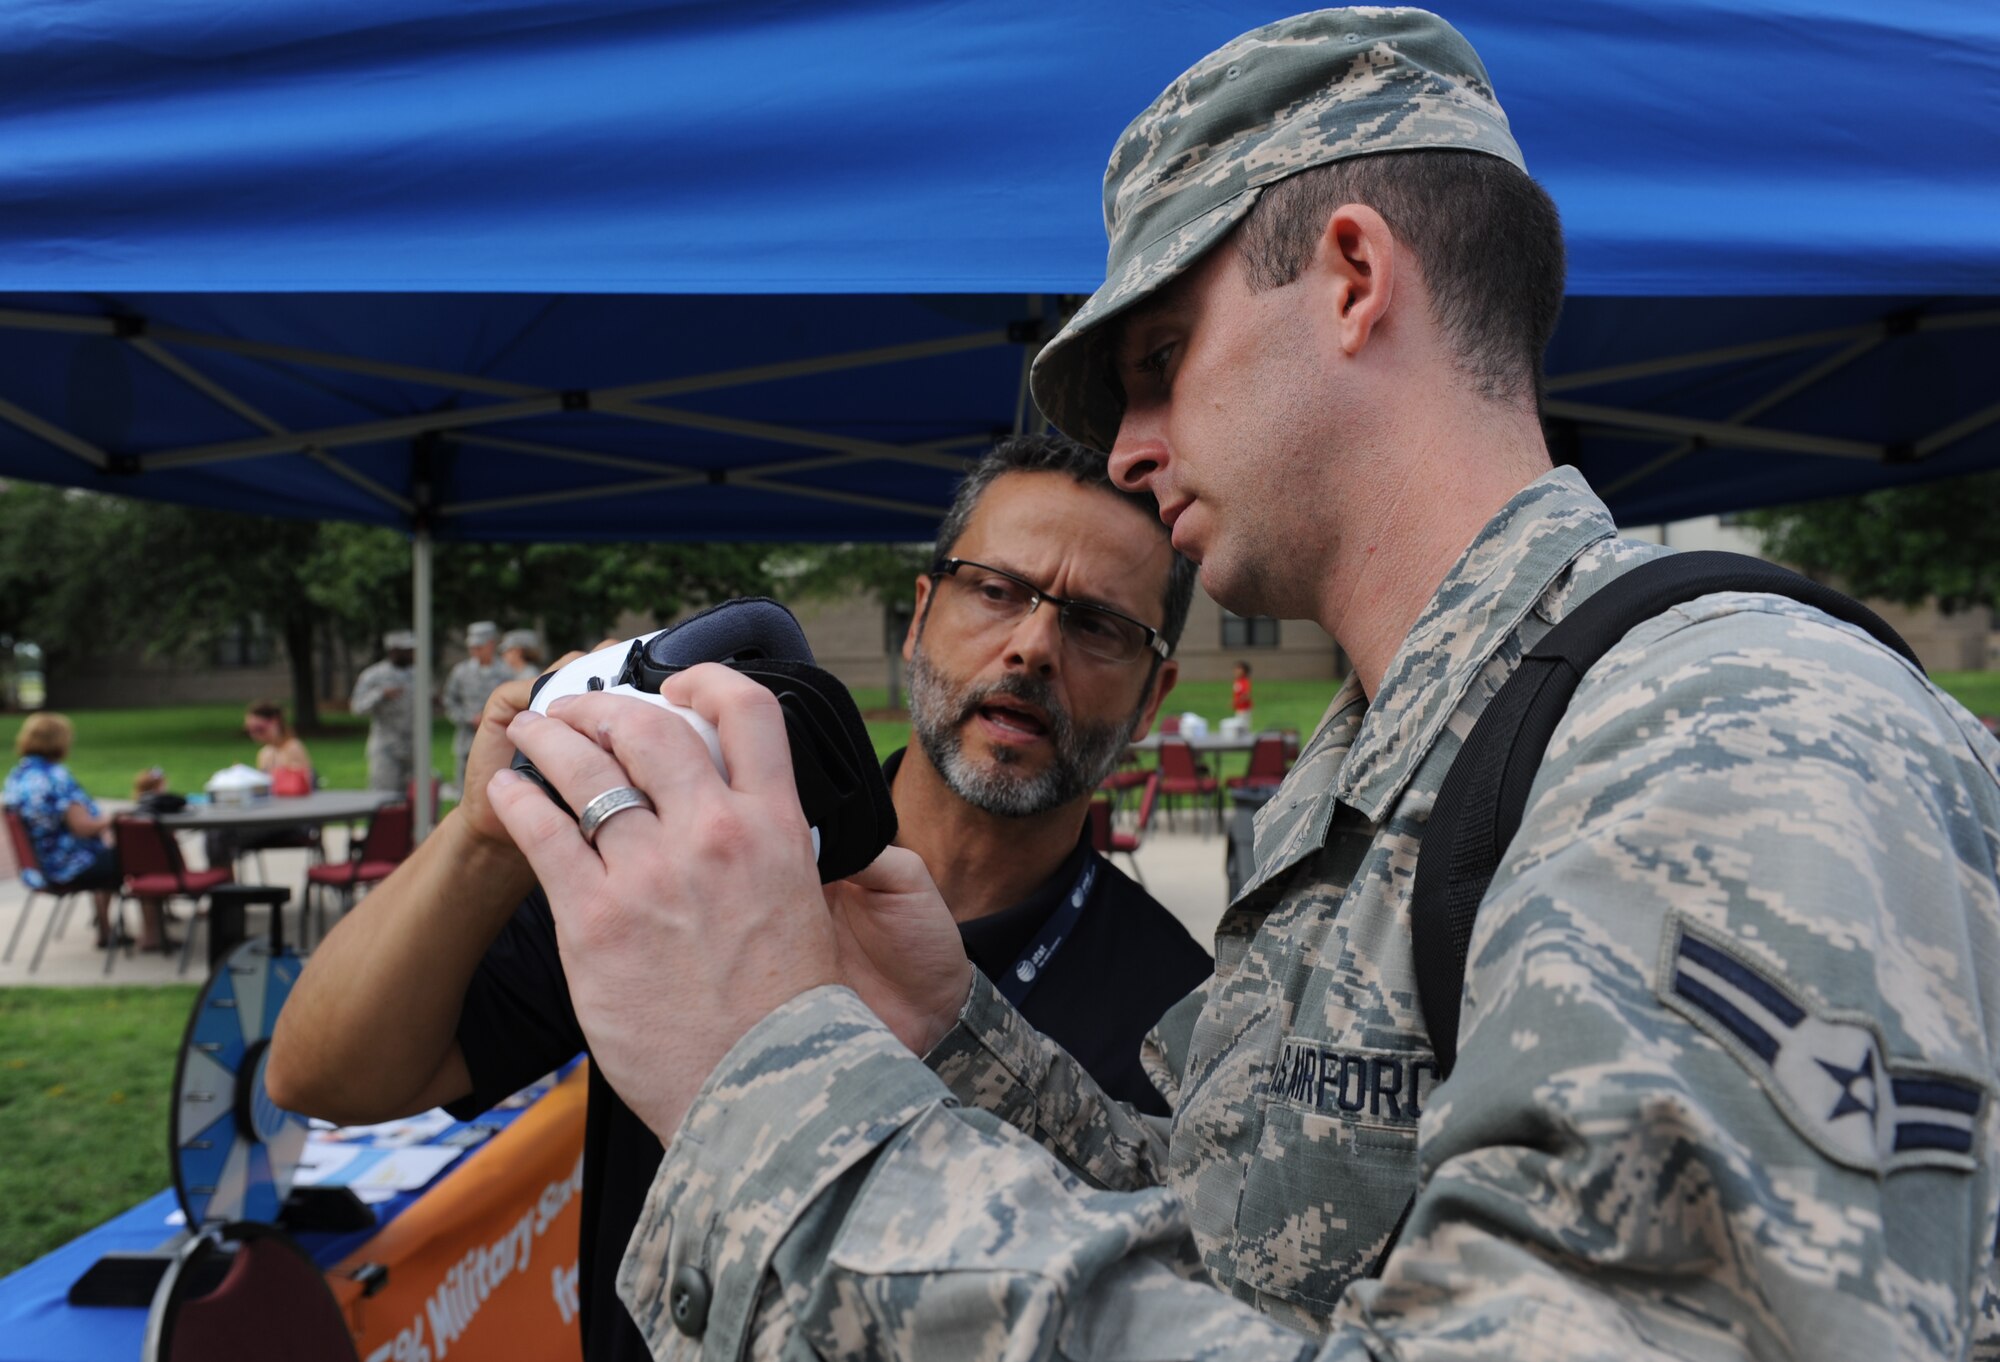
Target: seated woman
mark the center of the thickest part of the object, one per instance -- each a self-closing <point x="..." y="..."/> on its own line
<point x="66" y="827"/>
<point x="283" y="757"/>
<point x="279" y="749"/>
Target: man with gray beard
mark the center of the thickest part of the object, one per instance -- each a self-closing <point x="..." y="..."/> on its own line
<point x="1040" y="648"/>
<point x="1041" y="644"/>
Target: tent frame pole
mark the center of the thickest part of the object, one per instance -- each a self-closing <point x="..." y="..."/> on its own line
<point x="1955" y="432"/>
<point x="229" y="401"/>
<point x="433" y="422"/>
<point x="421" y="809"/>
<point x="1784" y="392"/>
<point x="1716" y="432"/>
<point x="51" y="433"/>
<point x="597" y="492"/>
<point x="1898" y="324"/>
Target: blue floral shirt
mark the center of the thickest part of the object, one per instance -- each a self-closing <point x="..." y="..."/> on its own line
<point x="40" y="790"/>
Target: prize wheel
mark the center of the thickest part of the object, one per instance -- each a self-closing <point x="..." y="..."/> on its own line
<point x="233" y="1150"/>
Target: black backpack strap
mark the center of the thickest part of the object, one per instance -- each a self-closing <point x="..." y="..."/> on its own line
<point x="1485" y="793"/>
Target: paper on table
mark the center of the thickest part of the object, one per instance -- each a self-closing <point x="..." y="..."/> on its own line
<point x="374" y="1174"/>
<point x="323" y="1162"/>
<point x="409" y="1130"/>
<point x="403" y="1170"/>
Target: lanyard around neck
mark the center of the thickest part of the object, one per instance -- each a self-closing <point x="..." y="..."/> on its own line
<point x="1022" y="976"/>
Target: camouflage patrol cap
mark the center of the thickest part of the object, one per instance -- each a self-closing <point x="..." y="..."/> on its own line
<point x="485" y="631"/>
<point x="521" y="638"/>
<point x="399" y="640"/>
<point x="1299" y="93"/>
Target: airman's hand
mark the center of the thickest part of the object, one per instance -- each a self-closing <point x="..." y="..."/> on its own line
<point x="686" y="923"/>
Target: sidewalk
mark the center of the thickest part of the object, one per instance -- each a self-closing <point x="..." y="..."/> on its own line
<point x="1182" y="869"/>
<point x="72" y="958"/>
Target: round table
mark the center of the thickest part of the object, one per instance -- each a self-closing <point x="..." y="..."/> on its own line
<point x="319" y="807"/>
<point x="1210" y="742"/>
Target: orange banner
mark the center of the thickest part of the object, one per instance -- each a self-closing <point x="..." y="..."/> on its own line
<point x="484" y="1264"/>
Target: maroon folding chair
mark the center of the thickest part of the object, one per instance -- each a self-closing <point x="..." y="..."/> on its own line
<point x="1099" y="810"/>
<point x="371" y="860"/>
<point x="437" y="787"/>
<point x="1170" y="727"/>
<point x="1129" y="776"/>
<point x="1181" y="775"/>
<point x="26" y="860"/>
<point x="1128" y="842"/>
<point x="1267" y="765"/>
<point x="151" y="861"/>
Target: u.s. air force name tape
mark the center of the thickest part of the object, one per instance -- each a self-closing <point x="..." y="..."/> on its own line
<point x="1827" y="1071"/>
<point x="1376" y="1087"/>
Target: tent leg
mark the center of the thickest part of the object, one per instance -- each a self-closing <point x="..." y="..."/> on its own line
<point x="1021" y="397"/>
<point x="422" y="810"/>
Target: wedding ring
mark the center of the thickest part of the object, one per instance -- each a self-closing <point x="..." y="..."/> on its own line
<point x="609" y="805"/>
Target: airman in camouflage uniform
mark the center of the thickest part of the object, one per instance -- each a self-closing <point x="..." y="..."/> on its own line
<point x="467" y="687"/>
<point x="1636" y="1155"/>
<point x="1726" y="1067"/>
<point x="384" y="693"/>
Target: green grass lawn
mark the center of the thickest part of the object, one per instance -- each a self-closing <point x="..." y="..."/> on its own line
<point x="1977" y="691"/>
<point x="194" y="741"/>
<point x="85" y="1077"/>
<point x="1280" y="704"/>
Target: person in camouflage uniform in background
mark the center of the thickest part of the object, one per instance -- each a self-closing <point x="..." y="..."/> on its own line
<point x="475" y="678"/>
<point x="383" y="692"/>
<point x="521" y="653"/>
<point x="1725" y="1076"/>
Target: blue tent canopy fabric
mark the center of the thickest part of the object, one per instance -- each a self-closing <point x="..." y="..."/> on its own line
<point x="514" y="417"/>
<point x="577" y="269"/>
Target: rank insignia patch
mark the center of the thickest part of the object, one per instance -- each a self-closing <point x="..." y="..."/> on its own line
<point x="1827" y="1071"/>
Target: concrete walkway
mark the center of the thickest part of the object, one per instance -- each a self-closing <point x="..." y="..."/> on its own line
<point x="1183" y="869"/>
<point x="72" y="957"/>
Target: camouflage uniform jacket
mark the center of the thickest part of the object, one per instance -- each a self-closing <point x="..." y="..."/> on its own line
<point x="390" y="716"/>
<point x="1725" y="1076"/>
<point x="467" y="687"/>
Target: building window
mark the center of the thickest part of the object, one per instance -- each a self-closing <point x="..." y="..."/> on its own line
<point x="1248" y="631"/>
<point x="244" y="644"/>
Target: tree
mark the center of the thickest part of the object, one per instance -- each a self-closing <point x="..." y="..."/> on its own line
<point x="578" y="591"/>
<point x="574" y="593"/>
<point x="83" y="575"/>
<point x="881" y="572"/>
<point x="52" y="563"/>
<point x="1908" y="544"/>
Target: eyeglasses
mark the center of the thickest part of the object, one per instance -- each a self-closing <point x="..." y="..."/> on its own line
<point x="1000" y="597"/>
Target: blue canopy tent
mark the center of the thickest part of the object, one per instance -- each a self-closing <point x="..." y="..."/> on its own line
<point x="587" y="269"/>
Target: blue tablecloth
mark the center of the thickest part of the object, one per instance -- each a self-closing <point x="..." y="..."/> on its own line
<point x="38" y="1324"/>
